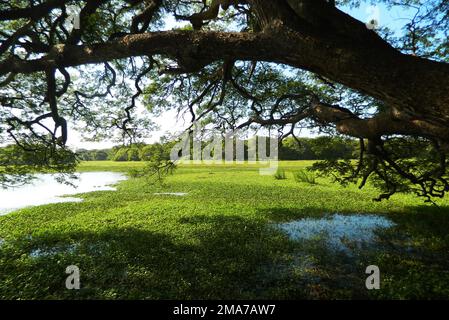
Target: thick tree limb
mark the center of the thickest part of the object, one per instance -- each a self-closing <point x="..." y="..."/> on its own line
<point x="33" y="12"/>
<point x="380" y="74"/>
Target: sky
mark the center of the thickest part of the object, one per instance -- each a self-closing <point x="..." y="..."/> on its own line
<point x="393" y="18"/>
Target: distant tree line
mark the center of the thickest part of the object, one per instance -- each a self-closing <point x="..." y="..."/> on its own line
<point x="94" y="155"/>
<point x="320" y="148"/>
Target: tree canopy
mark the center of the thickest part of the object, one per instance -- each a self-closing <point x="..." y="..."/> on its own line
<point x="285" y="64"/>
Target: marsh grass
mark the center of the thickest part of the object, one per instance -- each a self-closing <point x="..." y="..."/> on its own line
<point x="280" y="174"/>
<point x="303" y="175"/>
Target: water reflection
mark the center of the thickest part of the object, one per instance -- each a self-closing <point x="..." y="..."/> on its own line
<point x="337" y="229"/>
<point x="45" y="189"/>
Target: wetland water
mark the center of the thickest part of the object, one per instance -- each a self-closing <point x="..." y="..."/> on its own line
<point x="45" y="189"/>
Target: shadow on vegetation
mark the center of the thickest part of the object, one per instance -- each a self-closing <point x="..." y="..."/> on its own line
<point x="221" y="257"/>
<point x="413" y="256"/>
<point x="227" y="257"/>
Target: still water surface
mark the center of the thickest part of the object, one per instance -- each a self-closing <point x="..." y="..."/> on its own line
<point x="45" y="189"/>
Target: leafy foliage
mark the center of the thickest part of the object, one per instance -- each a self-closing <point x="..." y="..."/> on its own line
<point x="158" y="166"/>
<point x="280" y="174"/>
<point x="105" y="96"/>
<point x="18" y="164"/>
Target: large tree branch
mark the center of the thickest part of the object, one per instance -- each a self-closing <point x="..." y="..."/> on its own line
<point x="310" y="35"/>
<point x="184" y="46"/>
<point x="32" y="12"/>
<point x="395" y="78"/>
<point x="348" y="123"/>
<point x="375" y="127"/>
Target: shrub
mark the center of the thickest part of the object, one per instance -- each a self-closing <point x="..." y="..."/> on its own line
<point x="280" y="174"/>
<point x="304" y="176"/>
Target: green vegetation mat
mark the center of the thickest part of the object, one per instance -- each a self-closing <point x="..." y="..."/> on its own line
<point x="219" y="241"/>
